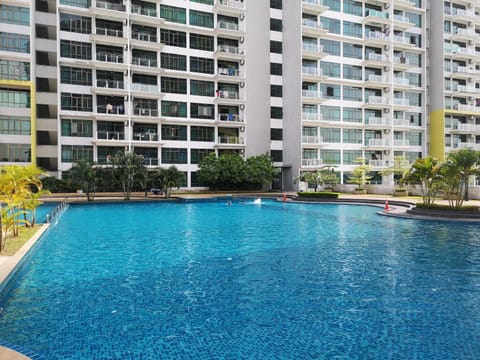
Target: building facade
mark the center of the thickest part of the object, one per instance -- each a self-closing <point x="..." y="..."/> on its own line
<point x="317" y="84"/>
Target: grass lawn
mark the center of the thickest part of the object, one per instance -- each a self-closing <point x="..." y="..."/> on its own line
<point x="15" y="243"/>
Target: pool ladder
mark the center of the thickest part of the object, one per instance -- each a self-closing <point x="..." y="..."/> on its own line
<point x="57" y="211"/>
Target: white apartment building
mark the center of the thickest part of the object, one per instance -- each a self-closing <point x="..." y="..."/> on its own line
<point x="315" y="83"/>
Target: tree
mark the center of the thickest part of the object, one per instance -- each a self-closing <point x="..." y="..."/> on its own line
<point x="259" y="170"/>
<point x="84" y="174"/>
<point x="224" y="172"/>
<point x="167" y="179"/>
<point x="360" y="174"/>
<point x="126" y="168"/>
<point x="425" y="172"/>
<point x="400" y="167"/>
<point x="311" y="178"/>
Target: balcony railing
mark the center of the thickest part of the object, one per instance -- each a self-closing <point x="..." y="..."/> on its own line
<point x="102" y="4"/>
<point x="312" y="116"/>
<point x="466" y="32"/>
<point x="376" y="35"/>
<point x="145" y="88"/>
<point x="145" y="112"/>
<point x="314" y="2"/>
<point x="464" y="88"/>
<point x="312" y="24"/>
<point x="144" y="37"/>
<point x="224" y="94"/>
<point x="401" y="102"/>
<point x="144" y="62"/>
<point x="230" y="140"/>
<point x="228" y="49"/>
<point x="137" y="9"/>
<point x="312" y="47"/>
<point x="469" y="108"/>
<point x="225" y="25"/>
<point x="229" y="117"/>
<point x="109" y="32"/>
<point x="378" y="78"/>
<point x="377" y="57"/>
<point x="112" y="84"/>
<point x="380" y="100"/>
<point x="228" y="72"/>
<point x="376" y="13"/>
<point x="113" y="58"/>
<point x="401" y="81"/>
<point x="378" y="142"/>
<point x="312" y="162"/>
<point x="378" y="163"/>
<point x="399" y="142"/>
<point x="401" y="18"/>
<point x="232" y="3"/>
<point x="378" y="121"/>
<point x="310" y="70"/>
<point x="117" y="109"/>
<point x="468" y="127"/>
<point x="312" y="94"/>
<point x="401" y="122"/>
<point x="311" y="139"/>
<point x="110" y="135"/>
<point x="145" y="136"/>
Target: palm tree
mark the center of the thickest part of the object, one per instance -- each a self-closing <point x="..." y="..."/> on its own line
<point x="83" y="173"/>
<point x="467" y="163"/>
<point x="168" y="178"/>
<point x="127" y="167"/>
<point x="425" y="172"/>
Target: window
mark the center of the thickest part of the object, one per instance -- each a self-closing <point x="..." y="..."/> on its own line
<point x="276" y="112"/>
<point x="276" y="4"/>
<point x="15" y="152"/>
<point x="76" y="76"/>
<point x="330" y="113"/>
<point x="277" y="155"/>
<point x="276" y="47"/>
<point x="352" y="72"/>
<point x="352" y="29"/>
<point x="76" y="102"/>
<point x="77" y="127"/>
<point x="173" y="61"/>
<point x="414" y="138"/>
<point x="174" y="85"/>
<point x="14" y="125"/>
<point x="196" y="155"/>
<point x="75" y="23"/>
<point x="330" y="47"/>
<point x="333" y="5"/>
<point x="207" y="2"/>
<point x="201" y="42"/>
<point x="276" y="69"/>
<point x="173" y="38"/>
<point x="75" y="50"/>
<point x="14" y="15"/>
<point x="352" y="7"/>
<point x="351" y="93"/>
<point x="276" y="90"/>
<point x="174" y="156"/>
<point x="173" y="14"/>
<point x="75" y="153"/>
<point x="330" y="69"/>
<point x="350" y="157"/>
<point x="330" y="91"/>
<point x="333" y="25"/>
<point x="202" y="88"/>
<point x="174" y="109"/>
<point x="174" y="132"/>
<point x="415" y="99"/>
<point x="202" y="65"/>
<point x="202" y="111"/>
<point x="276" y="134"/>
<point x="414" y="18"/>
<point x="14" y="70"/>
<point x="275" y="24"/>
<point x="202" y="133"/>
<point x="352" y="136"/>
<point x="201" y="18"/>
<point x="352" y="115"/>
<point x="352" y="51"/>
<point x="14" y="98"/>
<point x="77" y="3"/>
<point x="330" y="157"/>
<point x="14" y="42"/>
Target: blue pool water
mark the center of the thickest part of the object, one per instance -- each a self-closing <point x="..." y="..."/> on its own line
<point x="277" y="281"/>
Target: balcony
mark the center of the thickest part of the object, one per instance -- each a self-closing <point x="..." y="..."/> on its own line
<point x="376" y="38"/>
<point x="403" y="42"/>
<point x="377" y="81"/>
<point x="401" y="103"/>
<point x="378" y="122"/>
<point x="376" y="102"/>
<point x="229" y="52"/>
<point x="230" y="117"/>
<point x="312" y="51"/>
<point x="145" y="136"/>
<point x="401" y="143"/>
<point x="110" y="84"/>
<point x="314" y="96"/>
<point x="233" y="140"/>
<point x="110" y="135"/>
<point x="402" y="123"/>
<point x="465" y="35"/>
<point x="403" y="63"/>
<point x="312" y="162"/>
<point x="379" y="143"/>
<point x="145" y="88"/>
<point x="461" y="14"/>
<point x="312" y="27"/>
<point x="467" y="90"/>
<point x="111" y="109"/>
<point x="311" y="140"/>
<point x="109" y="5"/>
<point x="379" y="60"/>
<point x="146" y="62"/>
<point x="224" y="94"/>
<point x="110" y="10"/>
<point x="144" y="37"/>
<point x="225" y="25"/>
<point x="146" y="112"/>
<point x="231" y="72"/>
<point x="466" y="108"/>
<point x="148" y="161"/>
<point x="375" y="17"/>
<point x="229" y="7"/>
<point x="307" y="116"/>
<point x="312" y="73"/>
<point x="144" y="11"/>
<point x="314" y="7"/>
<point x="404" y="4"/>
<point x="402" y="22"/>
<point x="110" y="58"/>
<point x="118" y="33"/>
<point x="402" y="83"/>
<point x="378" y="163"/>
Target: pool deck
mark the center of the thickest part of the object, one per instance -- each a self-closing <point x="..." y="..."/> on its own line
<point x="397" y="207"/>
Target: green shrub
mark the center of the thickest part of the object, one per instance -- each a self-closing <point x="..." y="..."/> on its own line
<point x="320" y="194"/>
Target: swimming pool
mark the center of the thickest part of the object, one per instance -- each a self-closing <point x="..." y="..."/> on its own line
<point x="205" y="280"/>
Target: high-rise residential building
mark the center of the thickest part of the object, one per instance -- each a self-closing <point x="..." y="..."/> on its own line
<point x="317" y="84"/>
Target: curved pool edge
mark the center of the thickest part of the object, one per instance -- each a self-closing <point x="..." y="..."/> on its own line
<point x="10" y="264"/>
<point x="9" y="354"/>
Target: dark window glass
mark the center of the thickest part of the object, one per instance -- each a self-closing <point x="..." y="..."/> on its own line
<point x="275" y="24"/>
<point x="276" y="69"/>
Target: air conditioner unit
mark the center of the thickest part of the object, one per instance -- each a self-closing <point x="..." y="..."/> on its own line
<point x="386" y="131"/>
<point x="242" y="106"/>
<point x="470" y="80"/>
<point x="470" y="98"/>
<point x="386" y="6"/>
<point x="242" y="17"/>
<point x="386" y="68"/>
<point x="386" y="47"/>
<point x="386" y="110"/>
<point x="242" y="62"/>
<point x="242" y="40"/>
<point x="242" y="84"/>
<point x="386" y="152"/>
<point x="470" y="61"/>
<point x="386" y="90"/>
